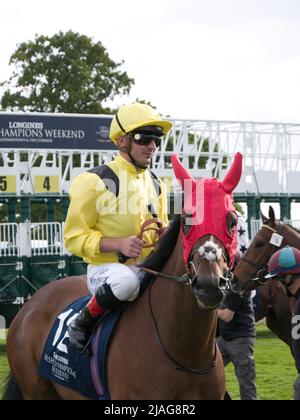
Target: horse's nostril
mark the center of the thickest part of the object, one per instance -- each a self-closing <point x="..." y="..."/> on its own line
<point x="223" y="283"/>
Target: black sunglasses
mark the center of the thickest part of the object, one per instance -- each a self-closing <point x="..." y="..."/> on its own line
<point x="145" y="139"/>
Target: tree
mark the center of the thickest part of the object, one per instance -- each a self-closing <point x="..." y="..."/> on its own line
<point x="239" y="208"/>
<point x="67" y="72"/>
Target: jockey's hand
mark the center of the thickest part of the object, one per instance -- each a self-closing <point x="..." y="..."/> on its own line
<point x="131" y="247"/>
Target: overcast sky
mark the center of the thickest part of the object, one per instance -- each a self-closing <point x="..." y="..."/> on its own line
<point x="201" y="59"/>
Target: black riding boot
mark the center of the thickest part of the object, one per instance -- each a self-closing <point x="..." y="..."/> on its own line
<point x="81" y="329"/>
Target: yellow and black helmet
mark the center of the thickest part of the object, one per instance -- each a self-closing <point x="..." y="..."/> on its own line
<point x="131" y="117"/>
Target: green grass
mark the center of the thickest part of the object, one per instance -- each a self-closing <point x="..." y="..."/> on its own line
<point x="3" y="366"/>
<point x="275" y="368"/>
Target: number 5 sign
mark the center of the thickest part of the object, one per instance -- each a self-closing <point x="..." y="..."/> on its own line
<point x="8" y="184"/>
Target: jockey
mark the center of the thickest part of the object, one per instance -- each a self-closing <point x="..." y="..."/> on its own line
<point x="285" y="266"/>
<point x="285" y="261"/>
<point x="108" y="206"/>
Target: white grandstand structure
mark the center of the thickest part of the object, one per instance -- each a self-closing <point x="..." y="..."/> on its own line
<point x="34" y="253"/>
<point x="271" y="156"/>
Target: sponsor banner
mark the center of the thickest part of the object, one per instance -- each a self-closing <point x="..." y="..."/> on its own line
<point x="54" y="131"/>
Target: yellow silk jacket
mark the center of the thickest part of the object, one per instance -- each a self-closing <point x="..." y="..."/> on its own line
<point x="112" y="201"/>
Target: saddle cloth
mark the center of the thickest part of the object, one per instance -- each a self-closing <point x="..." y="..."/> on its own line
<point x="63" y="364"/>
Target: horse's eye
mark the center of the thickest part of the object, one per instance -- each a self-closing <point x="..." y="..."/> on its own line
<point x="231" y="222"/>
<point x="259" y="244"/>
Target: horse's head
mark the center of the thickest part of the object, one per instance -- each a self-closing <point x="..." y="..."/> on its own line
<point x="209" y="225"/>
<point x="252" y="268"/>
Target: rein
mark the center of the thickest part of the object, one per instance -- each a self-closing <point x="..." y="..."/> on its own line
<point x="179" y="279"/>
<point x="187" y="277"/>
<point x="146" y="227"/>
<point x="179" y="366"/>
<point x="183" y="278"/>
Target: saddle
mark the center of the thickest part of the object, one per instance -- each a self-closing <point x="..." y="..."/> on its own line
<point x="63" y="364"/>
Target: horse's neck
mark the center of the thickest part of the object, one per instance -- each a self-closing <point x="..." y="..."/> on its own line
<point x="291" y="236"/>
<point x="184" y="328"/>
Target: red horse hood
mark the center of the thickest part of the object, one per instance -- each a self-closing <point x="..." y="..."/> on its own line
<point x="208" y="201"/>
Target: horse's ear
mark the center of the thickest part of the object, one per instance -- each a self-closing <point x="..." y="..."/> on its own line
<point x="264" y="218"/>
<point x="180" y="172"/>
<point x="233" y="177"/>
<point x="272" y="215"/>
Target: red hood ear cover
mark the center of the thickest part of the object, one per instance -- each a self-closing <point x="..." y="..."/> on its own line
<point x="209" y="201"/>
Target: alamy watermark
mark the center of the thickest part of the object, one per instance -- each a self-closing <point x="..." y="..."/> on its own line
<point x="133" y="201"/>
<point x="296" y="327"/>
<point x="2" y="328"/>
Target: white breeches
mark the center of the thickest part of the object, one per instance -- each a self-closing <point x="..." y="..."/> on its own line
<point x="123" y="280"/>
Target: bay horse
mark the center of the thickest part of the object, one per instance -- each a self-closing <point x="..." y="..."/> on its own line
<point x="251" y="269"/>
<point x="163" y="347"/>
<point x="276" y="308"/>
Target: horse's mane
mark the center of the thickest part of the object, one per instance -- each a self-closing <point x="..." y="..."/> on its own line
<point x="269" y="222"/>
<point x="293" y="228"/>
<point x="157" y="260"/>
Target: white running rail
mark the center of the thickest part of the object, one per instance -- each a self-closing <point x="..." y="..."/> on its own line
<point x="46" y="239"/>
<point x="9" y="240"/>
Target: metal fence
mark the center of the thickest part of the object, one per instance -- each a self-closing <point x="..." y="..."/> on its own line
<point x="9" y="240"/>
<point x="257" y="223"/>
<point x="46" y="239"/>
<point x="37" y="239"/>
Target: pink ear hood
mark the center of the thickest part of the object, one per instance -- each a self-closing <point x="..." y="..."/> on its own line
<point x="211" y="200"/>
<point x="180" y="172"/>
<point x="234" y="174"/>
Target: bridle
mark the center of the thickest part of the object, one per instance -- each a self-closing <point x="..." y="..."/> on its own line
<point x="189" y="277"/>
<point x="192" y="269"/>
<point x="261" y="271"/>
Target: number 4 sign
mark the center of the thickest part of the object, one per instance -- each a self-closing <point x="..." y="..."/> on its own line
<point x="46" y="184"/>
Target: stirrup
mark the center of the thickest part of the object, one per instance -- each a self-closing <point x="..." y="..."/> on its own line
<point x="87" y="349"/>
